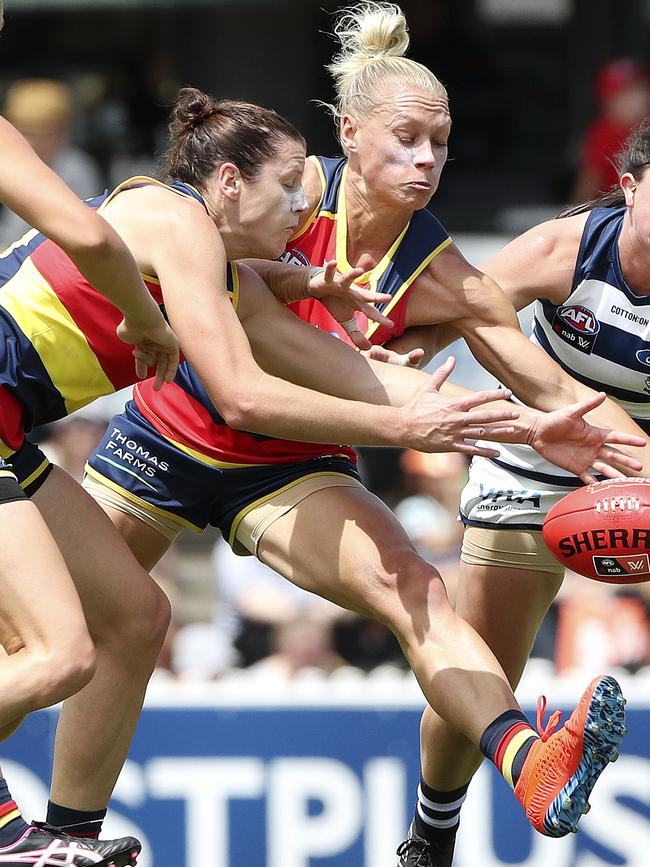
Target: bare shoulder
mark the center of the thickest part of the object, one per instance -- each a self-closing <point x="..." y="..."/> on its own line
<point x="155" y="202"/>
<point x="540" y="263"/>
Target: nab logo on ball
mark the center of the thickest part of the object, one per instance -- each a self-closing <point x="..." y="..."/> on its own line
<point x="576" y="325"/>
<point x="620" y="566"/>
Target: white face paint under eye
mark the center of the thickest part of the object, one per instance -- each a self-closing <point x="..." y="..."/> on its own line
<point x="296" y="199"/>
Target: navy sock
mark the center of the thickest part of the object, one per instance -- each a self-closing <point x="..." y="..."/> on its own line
<point x="507" y="742"/>
<point x="12" y="824"/>
<point x="76" y="823"/>
<point x="437" y="813"/>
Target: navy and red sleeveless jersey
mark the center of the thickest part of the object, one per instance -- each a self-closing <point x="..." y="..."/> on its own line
<point x="59" y="350"/>
<point x="182" y="411"/>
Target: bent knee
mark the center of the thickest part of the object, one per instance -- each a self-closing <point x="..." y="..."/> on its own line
<point x="65" y="670"/>
<point x="404" y="586"/>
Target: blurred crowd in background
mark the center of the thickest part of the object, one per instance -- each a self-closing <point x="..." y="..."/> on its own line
<point x="538" y="119"/>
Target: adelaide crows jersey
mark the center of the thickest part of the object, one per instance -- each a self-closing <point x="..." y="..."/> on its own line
<point x="324" y="237"/>
<point x="58" y="347"/>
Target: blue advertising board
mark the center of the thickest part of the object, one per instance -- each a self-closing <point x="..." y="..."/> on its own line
<point x="321" y="786"/>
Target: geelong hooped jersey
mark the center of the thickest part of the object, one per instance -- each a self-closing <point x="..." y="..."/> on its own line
<point x="59" y="350"/>
<point x="182" y="411"/>
<point x="600" y="334"/>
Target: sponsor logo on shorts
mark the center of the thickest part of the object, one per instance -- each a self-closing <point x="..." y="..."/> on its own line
<point x="643" y="356"/>
<point x="632" y="564"/>
<point x="577" y="326"/>
<point x="131" y="452"/>
<point x="497" y="499"/>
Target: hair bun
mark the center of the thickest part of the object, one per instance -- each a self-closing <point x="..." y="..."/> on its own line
<point x="192" y="108"/>
<point x="372" y="30"/>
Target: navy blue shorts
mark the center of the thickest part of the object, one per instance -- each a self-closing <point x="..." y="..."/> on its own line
<point x="139" y="464"/>
<point x="28" y="466"/>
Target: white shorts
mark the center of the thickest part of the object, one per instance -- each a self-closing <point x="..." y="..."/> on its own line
<point x="496" y="496"/>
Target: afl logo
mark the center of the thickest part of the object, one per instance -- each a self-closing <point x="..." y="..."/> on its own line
<point x="579" y="318"/>
<point x="295" y="257"/>
<point x="643" y="355"/>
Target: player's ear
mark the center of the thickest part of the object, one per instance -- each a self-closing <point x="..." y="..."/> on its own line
<point x="349" y="128"/>
<point x="229" y="181"/>
<point x="628" y="184"/>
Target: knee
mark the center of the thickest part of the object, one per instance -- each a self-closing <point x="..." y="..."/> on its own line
<point x="139" y="624"/>
<point x="406" y="590"/>
<point x="65" y="669"/>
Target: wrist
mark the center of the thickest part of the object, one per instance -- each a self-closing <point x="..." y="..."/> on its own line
<point x="313" y="272"/>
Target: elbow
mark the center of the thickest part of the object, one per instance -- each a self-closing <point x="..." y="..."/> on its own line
<point x="94" y="237"/>
<point x="240" y="412"/>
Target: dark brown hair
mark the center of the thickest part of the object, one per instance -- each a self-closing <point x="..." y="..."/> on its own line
<point x="205" y="132"/>
<point x="633" y="159"/>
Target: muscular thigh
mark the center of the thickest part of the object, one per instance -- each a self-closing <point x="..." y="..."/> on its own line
<point x="344" y="544"/>
<point x="107" y="577"/>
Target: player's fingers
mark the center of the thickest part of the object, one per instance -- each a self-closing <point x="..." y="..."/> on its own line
<point x="415" y="356"/>
<point x="607" y="470"/>
<point x="587" y="476"/>
<point x="480" y="416"/>
<point x="330" y="270"/>
<point x="141" y="369"/>
<point x="360" y="293"/>
<point x="488" y="396"/>
<point x="442" y="373"/>
<point x="487" y="431"/>
<point x="373" y="314"/>
<point x="625" y="439"/>
<point x="582" y="407"/>
<point x="173" y="360"/>
<point x="359" y="339"/>
<point x="619" y="459"/>
<point x="468" y="448"/>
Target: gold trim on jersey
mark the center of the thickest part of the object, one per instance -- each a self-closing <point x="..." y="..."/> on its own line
<point x="233" y="293"/>
<point x="316" y="212"/>
<point x="405" y="285"/>
<point x="374" y="274"/>
<point x="41" y="317"/>
<point x="33" y="476"/>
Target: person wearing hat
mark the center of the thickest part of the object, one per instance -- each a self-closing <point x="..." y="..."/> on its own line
<point x="622" y="90"/>
<point x="41" y="109"/>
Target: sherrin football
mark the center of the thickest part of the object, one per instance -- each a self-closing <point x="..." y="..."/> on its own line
<point x="603" y="531"/>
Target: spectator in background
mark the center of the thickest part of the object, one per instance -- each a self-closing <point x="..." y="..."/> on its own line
<point x="622" y="89"/>
<point x="41" y="109"/>
<point x="602" y="625"/>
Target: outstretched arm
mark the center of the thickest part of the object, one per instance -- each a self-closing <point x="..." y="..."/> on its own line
<point x="474" y="305"/>
<point x="294" y="350"/>
<point x="35" y="193"/>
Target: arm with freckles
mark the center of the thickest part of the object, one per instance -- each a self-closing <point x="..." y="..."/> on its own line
<point x="305" y="355"/>
<point x="474" y="307"/>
